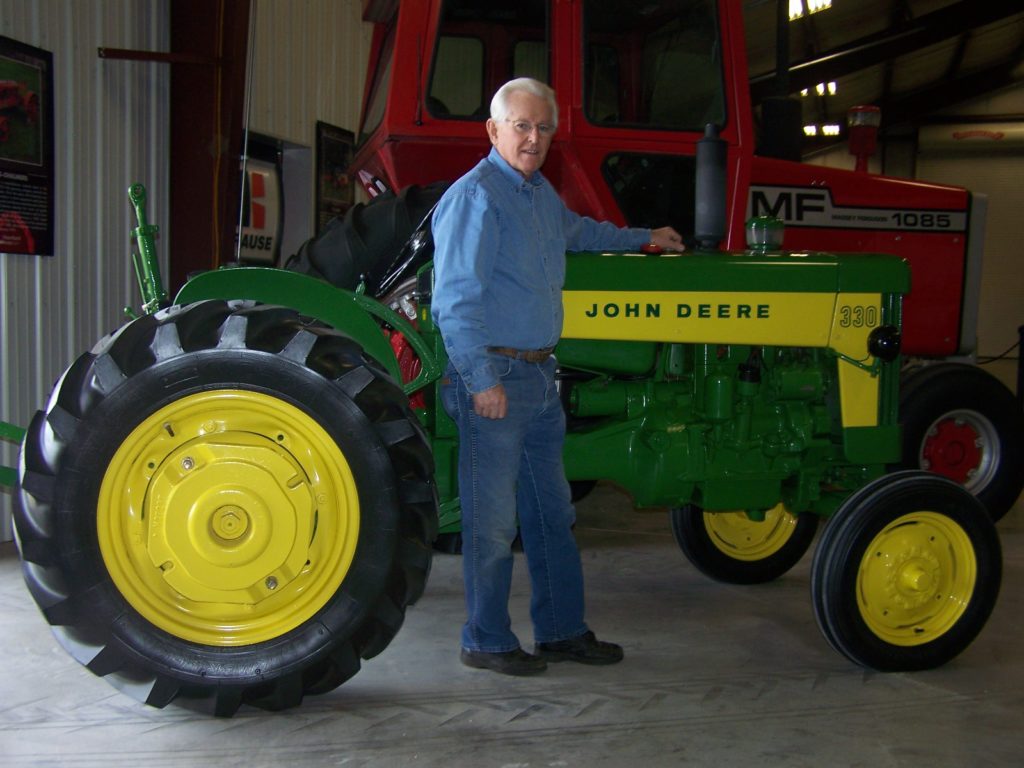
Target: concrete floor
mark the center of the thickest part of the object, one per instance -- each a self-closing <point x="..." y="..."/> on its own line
<point x="714" y="675"/>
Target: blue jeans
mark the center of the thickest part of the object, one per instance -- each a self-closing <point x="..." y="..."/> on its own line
<point x="509" y="466"/>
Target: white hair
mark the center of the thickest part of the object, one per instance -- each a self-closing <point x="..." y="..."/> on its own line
<point x="499" y="104"/>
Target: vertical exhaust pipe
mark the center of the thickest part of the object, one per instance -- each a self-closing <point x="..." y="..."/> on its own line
<point x="709" y="213"/>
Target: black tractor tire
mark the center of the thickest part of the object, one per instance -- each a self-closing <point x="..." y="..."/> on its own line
<point x="449" y="543"/>
<point x="368" y="241"/>
<point x="962" y="423"/>
<point x="732" y="548"/>
<point x="906" y="573"/>
<point x="580" y="489"/>
<point x="225" y="503"/>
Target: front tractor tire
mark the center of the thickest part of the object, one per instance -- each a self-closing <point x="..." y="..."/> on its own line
<point x="962" y="423"/>
<point x="223" y="504"/>
<point x="906" y="573"/>
<point x="733" y="548"/>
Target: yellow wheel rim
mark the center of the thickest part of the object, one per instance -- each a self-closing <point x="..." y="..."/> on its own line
<point x="741" y="538"/>
<point x="916" y="579"/>
<point x="228" y="517"/>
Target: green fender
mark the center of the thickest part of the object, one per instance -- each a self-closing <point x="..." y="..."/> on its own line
<point x="344" y="310"/>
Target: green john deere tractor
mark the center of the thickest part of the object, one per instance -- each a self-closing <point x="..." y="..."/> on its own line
<point x="232" y="498"/>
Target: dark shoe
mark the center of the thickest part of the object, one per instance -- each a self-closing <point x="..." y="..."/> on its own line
<point x="586" y="649"/>
<point x="517" y="662"/>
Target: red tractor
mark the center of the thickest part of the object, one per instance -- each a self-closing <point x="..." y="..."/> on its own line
<point x="637" y="84"/>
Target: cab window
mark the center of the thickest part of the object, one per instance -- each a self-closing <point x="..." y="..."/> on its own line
<point x="655" y="64"/>
<point x="379" y="88"/>
<point x="457" y="87"/>
<point x="481" y="45"/>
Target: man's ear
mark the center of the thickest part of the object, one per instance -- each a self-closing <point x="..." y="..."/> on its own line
<point x="492" y="131"/>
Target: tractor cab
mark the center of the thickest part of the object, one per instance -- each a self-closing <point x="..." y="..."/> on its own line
<point x="631" y="108"/>
<point x="637" y="84"/>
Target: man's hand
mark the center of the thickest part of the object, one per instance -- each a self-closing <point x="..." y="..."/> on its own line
<point x="491" y="403"/>
<point x="667" y="239"/>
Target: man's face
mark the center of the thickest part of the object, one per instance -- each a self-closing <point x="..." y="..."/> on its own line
<point x="524" y="137"/>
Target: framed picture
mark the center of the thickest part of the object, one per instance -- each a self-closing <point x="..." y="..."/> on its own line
<point x="334" y="187"/>
<point x="26" y="149"/>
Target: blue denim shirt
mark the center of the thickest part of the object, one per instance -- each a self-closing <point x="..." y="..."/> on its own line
<point x="499" y="264"/>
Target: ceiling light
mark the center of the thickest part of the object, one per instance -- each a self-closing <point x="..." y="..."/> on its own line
<point x="822" y="89"/>
<point x="798" y="8"/>
<point x="828" y="129"/>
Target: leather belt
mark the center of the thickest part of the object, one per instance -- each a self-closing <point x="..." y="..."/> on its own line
<point x="529" y="355"/>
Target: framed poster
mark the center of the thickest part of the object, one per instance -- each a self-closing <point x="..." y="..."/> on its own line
<point x="334" y="190"/>
<point x="26" y="149"/>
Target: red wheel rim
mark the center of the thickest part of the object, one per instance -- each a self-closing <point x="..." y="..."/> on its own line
<point x="963" y="446"/>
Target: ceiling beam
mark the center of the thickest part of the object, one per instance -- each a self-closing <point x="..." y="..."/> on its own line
<point x="899" y="40"/>
<point x="948" y="92"/>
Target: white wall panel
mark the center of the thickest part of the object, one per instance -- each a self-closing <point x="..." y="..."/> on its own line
<point x="111" y="129"/>
<point x="309" y="64"/>
<point x="997" y="171"/>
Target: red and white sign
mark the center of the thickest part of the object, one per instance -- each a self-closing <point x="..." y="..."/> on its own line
<point x="261" y="214"/>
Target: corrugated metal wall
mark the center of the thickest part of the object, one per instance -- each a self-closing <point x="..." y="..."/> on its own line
<point x="111" y="129"/>
<point x="309" y="64"/>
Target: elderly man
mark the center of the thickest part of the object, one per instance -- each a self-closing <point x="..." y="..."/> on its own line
<point x="501" y="233"/>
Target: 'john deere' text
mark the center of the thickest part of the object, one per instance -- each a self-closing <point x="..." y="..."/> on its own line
<point x="682" y="311"/>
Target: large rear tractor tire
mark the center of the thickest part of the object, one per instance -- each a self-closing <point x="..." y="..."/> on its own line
<point x="906" y="573"/>
<point x="375" y="241"/>
<point x="224" y="504"/>
<point x="961" y="423"/>
<point x="733" y="548"/>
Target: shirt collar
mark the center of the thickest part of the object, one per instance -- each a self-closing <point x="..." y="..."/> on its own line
<point x="512" y="174"/>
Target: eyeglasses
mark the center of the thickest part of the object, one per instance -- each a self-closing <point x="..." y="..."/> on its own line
<point x="526" y="128"/>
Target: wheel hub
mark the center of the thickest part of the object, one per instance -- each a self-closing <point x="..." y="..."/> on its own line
<point x="913" y="577"/>
<point x="916" y="579"/>
<point x="229" y="523"/>
<point x="226" y="515"/>
<point x="953" y="449"/>
<point x="964" y="446"/>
